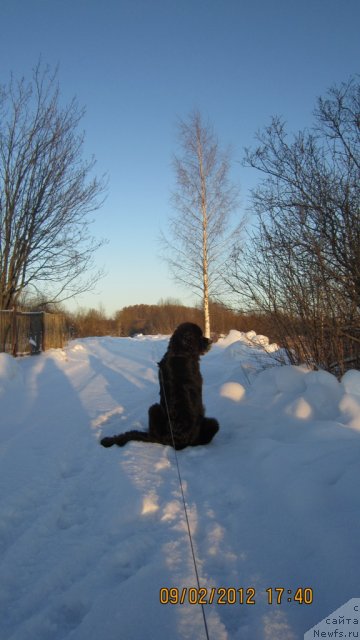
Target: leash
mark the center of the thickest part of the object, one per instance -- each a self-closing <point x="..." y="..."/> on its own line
<point x="184" y="505"/>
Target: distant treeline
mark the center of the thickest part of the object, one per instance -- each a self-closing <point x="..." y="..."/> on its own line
<point x="163" y="318"/>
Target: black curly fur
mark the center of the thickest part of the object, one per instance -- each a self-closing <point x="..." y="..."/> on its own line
<point x="180" y="396"/>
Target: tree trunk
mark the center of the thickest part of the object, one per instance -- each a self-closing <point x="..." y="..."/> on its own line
<point x="206" y="310"/>
<point x="205" y="277"/>
<point x="204" y="239"/>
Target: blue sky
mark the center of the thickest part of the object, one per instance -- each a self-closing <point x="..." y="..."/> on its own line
<point x="137" y="65"/>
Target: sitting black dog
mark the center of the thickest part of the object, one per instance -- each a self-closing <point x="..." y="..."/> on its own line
<point x="180" y="396"/>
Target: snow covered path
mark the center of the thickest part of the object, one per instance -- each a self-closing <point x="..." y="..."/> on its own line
<point x="89" y="536"/>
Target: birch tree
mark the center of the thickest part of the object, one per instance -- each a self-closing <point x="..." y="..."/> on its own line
<point x="199" y="237"/>
<point x="47" y="192"/>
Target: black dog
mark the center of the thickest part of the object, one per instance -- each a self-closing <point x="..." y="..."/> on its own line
<point x="180" y="396"/>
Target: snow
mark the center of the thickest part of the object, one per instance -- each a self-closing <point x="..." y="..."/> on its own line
<point x="89" y="536"/>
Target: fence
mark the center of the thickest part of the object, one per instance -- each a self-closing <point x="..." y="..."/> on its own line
<point x="30" y="332"/>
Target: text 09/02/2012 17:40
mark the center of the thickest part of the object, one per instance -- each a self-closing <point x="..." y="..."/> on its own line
<point x="233" y="595"/>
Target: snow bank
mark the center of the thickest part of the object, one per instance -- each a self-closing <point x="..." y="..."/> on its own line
<point x="250" y="338"/>
<point x="305" y="394"/>
<point x="10" y="371"/>
<point x="351" y="382"/>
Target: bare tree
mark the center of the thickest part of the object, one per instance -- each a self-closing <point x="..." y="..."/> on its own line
<point x="46" y="193"/>
<point x="303" y="263"/>
<point x="199" y="236"/>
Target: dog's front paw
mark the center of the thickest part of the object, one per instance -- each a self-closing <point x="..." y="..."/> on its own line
<point x="107" y="442"/>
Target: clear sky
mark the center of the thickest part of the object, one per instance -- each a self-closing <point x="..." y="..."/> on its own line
<point x="136" y="65"/>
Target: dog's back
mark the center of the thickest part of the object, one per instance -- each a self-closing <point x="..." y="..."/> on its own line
<point x="181" y="395"/>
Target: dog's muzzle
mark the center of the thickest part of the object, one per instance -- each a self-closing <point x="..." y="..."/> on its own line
<point x="205" y="344"/>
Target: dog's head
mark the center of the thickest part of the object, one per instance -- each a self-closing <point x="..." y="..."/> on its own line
<point x="188" y="339"/>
